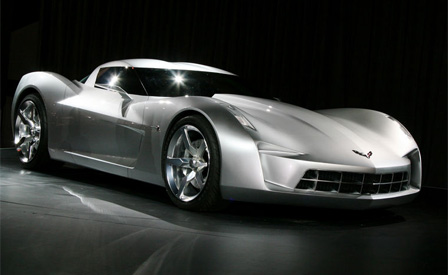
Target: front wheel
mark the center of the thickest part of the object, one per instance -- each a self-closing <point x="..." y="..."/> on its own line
<point x="30" y="133"/>
<point x="191" y="165"/>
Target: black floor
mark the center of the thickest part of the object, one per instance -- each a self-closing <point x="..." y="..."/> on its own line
<point x="79" y="221"/>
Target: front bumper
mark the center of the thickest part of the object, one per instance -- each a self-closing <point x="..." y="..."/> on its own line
<point x="336" y="201"/>
<point x="282" y="176"/>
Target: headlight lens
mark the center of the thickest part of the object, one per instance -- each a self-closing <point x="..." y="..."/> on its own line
<point x="401" y="126"/>
<point x="240" y="117"/>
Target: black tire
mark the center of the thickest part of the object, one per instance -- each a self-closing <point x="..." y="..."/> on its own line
<point x="201" y="193"/>
<point x="27" y="138"/>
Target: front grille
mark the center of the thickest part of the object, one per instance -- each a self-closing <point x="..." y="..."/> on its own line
<point x="354" y="183"/>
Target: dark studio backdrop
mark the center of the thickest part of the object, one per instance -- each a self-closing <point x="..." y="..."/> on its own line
<point x="384" y="55"/>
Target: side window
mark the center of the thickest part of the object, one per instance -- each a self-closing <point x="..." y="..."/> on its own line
<point x="164" y="82"/>
<point x="83" y="81"/>
<point x="157" y="81"/>
<point x="120" y="79"/>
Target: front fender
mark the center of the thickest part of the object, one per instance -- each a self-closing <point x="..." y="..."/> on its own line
<point x="51" y="87"/>
<point x="240" y="161"/>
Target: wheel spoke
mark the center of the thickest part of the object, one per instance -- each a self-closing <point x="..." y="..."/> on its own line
<point x="200" y="180"/>
<point x="35" y="114"/>
<point x="187" y="142"/>
<point x="191" y="176"/>
<point x="180" y="192"/>
<point x="31" y="112"/>
<point x="28" y="107"/>
<point x="36" y="118"/>
<point x="31" y="151"/>
<point x="20" y="142"/>
<point x="201" y="165"/>
<point x="24" y="119"/>
<point x="178" y="162"/>
<point x="201" y="149"/>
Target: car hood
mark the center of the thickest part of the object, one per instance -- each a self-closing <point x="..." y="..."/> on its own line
<point x="290" y="131"/>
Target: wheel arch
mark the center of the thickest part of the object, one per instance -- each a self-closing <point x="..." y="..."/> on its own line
<point x="237" y="148"/>
<point x="190" y="112"/>
<point x="50" y="87"/>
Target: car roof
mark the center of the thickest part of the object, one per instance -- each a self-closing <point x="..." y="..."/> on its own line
<point x="160" y="64"/>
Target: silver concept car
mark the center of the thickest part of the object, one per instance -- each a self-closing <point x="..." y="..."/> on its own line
<point x="199" y="132"/>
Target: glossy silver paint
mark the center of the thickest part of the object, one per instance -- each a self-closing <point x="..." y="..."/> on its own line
<point x="261" y="162"/>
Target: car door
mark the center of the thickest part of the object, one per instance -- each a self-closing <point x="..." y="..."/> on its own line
<point x="107" y="124"/>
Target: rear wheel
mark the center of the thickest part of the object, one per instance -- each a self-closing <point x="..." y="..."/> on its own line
<point x="31" y="133"/>
<point x="191" y="165"/>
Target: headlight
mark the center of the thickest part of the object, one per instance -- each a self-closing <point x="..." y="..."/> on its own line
<point x="240" y="117"/>
<point x="405" y="131"/>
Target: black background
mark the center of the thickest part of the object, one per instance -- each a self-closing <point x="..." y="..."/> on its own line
<point x="388" y="56"/>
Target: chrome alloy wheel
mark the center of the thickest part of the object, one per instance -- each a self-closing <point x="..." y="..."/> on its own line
<point x="27" y="132"/>
<point x="187" y="163"/>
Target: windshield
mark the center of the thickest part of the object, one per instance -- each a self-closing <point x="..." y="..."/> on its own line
<point x="163" y="82"/>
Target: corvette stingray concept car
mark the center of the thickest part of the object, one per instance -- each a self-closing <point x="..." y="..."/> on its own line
<point x="198" y="131"/>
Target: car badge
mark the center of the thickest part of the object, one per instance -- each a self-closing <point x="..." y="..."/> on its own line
<point x="369" y="154"/>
